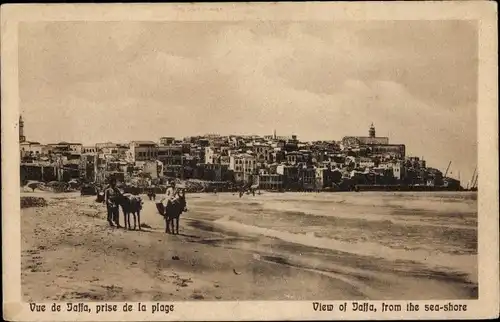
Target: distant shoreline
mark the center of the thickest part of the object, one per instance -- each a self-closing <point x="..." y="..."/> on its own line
<point x="267" y="192"/>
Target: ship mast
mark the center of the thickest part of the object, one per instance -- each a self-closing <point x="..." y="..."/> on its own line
<point x="473" y="176"/>
<point x="448" y="168"/>
<point x="474" y="185"/>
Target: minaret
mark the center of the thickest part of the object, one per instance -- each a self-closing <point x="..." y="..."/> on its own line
<point x="22" y="138"/>
<point x="371" y="132"/>
<point x="275" y="134"/>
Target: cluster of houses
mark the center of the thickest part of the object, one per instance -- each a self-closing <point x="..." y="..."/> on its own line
<point x="268" y="162"/>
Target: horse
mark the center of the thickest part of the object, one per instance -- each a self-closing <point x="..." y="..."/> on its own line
<point x="173" y="212"/>
<point x="131" y="204"/>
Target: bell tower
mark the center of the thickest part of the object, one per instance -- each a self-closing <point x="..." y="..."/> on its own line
<point x="22" y="138"/>
<point x="371" y="132"/>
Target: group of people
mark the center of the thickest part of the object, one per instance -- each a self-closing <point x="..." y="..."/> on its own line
<point x="113" y="195"/>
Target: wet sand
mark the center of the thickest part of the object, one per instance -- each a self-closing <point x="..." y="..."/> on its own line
<point x="271" y="247"/>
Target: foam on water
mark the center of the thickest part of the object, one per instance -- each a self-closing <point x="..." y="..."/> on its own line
<point x="460" y="263"/>
<point x="433" y="229"/>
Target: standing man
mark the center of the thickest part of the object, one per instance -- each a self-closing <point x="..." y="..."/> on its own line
<point x="111" y="197"/>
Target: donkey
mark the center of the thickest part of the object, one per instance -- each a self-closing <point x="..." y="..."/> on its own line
<point x="173" y="212"/>
<point x="131" y="204"/>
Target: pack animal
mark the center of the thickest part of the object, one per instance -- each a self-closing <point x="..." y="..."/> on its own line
<point x="131" y="204"/>
<point x="173" y="212"/>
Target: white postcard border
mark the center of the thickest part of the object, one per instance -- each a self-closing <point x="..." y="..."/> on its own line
<point x="487" y="306"/>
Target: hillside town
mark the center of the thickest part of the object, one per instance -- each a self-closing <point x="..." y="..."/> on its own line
<point x="212" y="161"/>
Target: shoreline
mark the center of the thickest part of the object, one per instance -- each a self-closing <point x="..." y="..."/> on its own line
<point x="68" y="244"/>
<point x="269" y="192"/>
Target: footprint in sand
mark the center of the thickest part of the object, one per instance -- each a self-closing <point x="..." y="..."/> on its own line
<point x="197" y="296"/>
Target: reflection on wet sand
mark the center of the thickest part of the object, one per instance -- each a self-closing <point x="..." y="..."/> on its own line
<point x="269" y="247"/>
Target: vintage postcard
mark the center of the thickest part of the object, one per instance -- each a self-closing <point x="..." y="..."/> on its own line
<point x="250" y="161"/>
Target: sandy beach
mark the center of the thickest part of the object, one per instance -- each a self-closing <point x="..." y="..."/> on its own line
<point x="291" y="246"/>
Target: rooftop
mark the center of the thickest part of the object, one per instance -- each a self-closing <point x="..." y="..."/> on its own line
<point x="143" y="143"/>
<point x="65" y="143"/>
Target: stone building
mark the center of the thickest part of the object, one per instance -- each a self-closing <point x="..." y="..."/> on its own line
<point x="243" y="166"/>
<point x="371" y="139"/>
<point x="142" y="151"/>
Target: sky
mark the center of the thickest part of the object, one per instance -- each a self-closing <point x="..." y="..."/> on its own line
<point x="93" y="82"/>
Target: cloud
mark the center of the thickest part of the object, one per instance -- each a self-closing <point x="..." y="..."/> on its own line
<point x="123" y="81"/>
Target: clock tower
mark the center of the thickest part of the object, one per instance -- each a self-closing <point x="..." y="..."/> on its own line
<point x="22" y="138"/>
<point x="371" y="132"/>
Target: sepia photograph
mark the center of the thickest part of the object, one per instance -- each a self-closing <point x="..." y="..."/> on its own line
<point x="249" y="160"/>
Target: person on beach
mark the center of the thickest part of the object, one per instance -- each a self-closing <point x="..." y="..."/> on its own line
<point x="111" y="198"/>
<point x="171" y="195"/>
